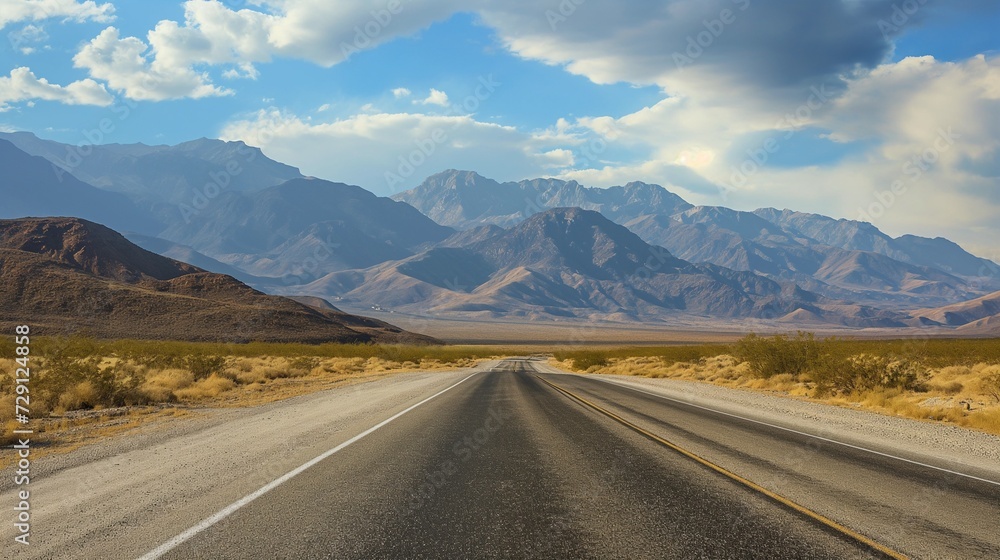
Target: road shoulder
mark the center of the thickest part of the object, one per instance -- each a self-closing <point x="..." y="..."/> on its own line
<point x="961" y="449"/>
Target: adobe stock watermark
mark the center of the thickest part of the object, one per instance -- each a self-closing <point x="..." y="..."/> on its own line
<point x="759" y="156"/>
<point x="462" y="451"/>
<point x="426" y="146"/>
<point x="218" y="181"/>
<point x="312" y="268"/>
<point x="700" y="42"/>
<point x="562" y="13"/>
<point x="988" y="274"/>
<point x="122" y="108"/>
<point x="106" y="127"/>
<point x="584" y="155"/>
<point x="655" y="263"/>
<point x="912" y="171"/>
<point x="595" y="147"/>
<point x="365" y="34"/>
<point x="40" y="12"/>
<point x="902" y="14"/>
<point x="588" y="153"/>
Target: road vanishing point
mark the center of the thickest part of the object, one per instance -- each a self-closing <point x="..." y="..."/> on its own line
<point x="517" y="460"/>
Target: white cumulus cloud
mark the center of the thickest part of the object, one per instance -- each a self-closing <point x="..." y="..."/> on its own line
<point x="23" y="85"/>
<point x="171" y="62"/>
<point x="435" y="97"/>
<point x="12" y="11"/>
<point x="927" y="127"/>
<point x="25" y="38"/>
<point x="390" y="152"/>
<point x="125" y="66"/>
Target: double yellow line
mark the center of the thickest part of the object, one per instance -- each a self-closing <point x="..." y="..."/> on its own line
<point x="733" y="476"/>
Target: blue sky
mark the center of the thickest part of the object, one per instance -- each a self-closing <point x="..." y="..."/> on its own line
<point x="449" y="55"/>
<point x="714" y="99"/>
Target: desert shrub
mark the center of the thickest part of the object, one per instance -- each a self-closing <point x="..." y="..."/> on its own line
<point x="867" y="372"/>
<point x="991" y="385"/>
<point x="303" y="365"/>
<point x="667" y="355"/>
<point x="60" y="375"/>
<point x="7" y="347"/>
<point x="243" y="365"/>
<point x="275" y="372"/>
<point x="211" y="386"/>
<point x="769" y="356"/>
<point x="947" y="387"/>
<point x="232" y="374"/>
<point x="77" y="346"/>
<point x="204" y="366"/>
<point x="82" y="395"/>
<point x="264" y="371"/>
<point x="584" y="359"/>
<point x="67" y="382"/>
<point x="162" y="354"/>
<point x="7" y="368"/>
<point x="951" y="372"/>
<point x="160" y="385"/>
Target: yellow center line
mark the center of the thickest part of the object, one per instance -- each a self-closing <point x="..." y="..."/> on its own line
<point x="733" y="476"/>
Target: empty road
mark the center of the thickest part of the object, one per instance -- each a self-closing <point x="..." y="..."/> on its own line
<point x="512" y="463"/>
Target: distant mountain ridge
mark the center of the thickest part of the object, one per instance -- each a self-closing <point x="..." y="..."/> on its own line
<point x="464" y="199"/>
<point x="169" y="181"/>
<point x="188" y="255"/>
<point x="306" y="228"/>
<point x="967" y="314"/>
<point x="841" y="259"/>
<point x="29" y="187"/>
<point x="745" y="241"/>
<point x="67" y="273"/>
<point x="575" y="263"/>
<point x="938" y="252"/>
<point x="223" y="204"/>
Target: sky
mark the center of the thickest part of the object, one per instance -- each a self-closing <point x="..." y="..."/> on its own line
<point x="887" y="111"/>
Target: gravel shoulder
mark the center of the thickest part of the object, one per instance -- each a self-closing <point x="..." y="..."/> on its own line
<point x="140" y="488"/>
<point x="961" y="449"/>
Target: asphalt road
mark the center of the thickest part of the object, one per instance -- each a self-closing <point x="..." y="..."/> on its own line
<point x="500" y="462"/>
<point x="504" y="465"/>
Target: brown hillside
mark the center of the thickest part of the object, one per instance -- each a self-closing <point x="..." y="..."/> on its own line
<point x="66" y="275"/>
<point x="983" y="312"/>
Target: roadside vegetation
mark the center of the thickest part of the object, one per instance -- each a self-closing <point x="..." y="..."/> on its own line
<point x="79" y="380"/>
<point x="84" y="389"/>
<point x="951" y="380"/>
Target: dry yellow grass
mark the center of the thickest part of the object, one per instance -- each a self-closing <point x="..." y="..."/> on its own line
<point x="240" y="382"/>
<point x="211" y="386"/>
<point x="960" y="395"/>
<point x="82" y="395"/>
<point x="161" y="385"/>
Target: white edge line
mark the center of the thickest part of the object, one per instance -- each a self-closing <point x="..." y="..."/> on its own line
<point x="233" y="507"/>
<point x="821" y="438"/>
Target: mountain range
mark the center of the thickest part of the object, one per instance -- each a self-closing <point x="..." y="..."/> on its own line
<point x="465" y="199"/>
<point x="837" y="258"/>
<point x="465" y="246"/>
<point x="30" y="187"/>
<point x="305" y="228"/>
<point x="168" y="181"/>
<point x="70" y="275"/>
<point x="574" y="263"/>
